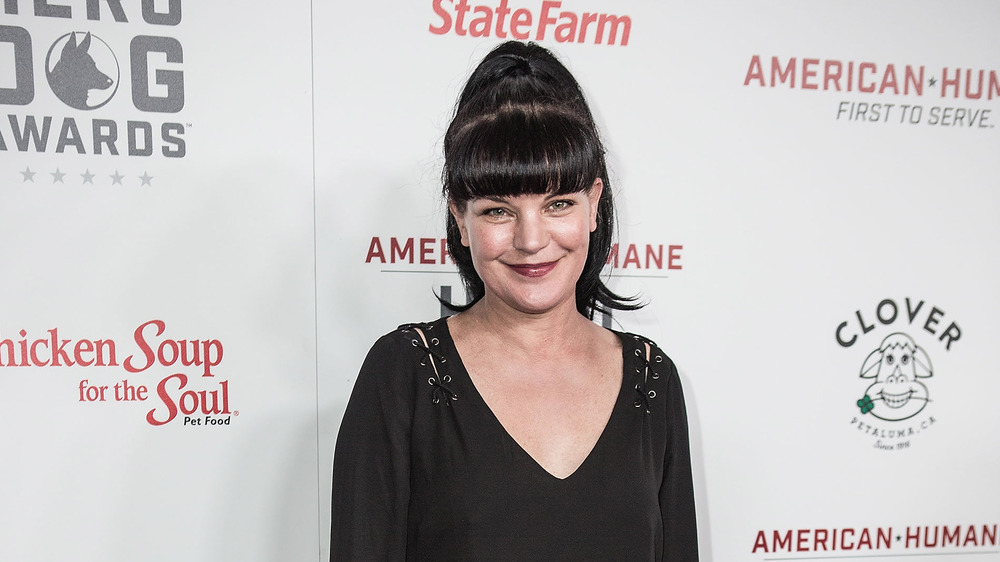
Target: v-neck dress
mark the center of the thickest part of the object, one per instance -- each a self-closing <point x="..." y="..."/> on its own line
<point x="423" y="469"/>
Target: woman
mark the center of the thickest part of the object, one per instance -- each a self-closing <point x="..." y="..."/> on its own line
<point x="518" y="429"/>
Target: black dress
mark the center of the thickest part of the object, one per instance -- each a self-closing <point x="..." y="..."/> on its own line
<point x="423" y="470"/>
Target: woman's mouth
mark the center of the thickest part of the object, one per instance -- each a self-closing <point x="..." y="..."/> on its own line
<point x="533" y="269"/>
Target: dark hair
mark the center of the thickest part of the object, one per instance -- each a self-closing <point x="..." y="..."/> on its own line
<point x="522" y="126"/>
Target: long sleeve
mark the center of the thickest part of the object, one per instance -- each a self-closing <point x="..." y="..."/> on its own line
<point x="371" y="467"/>
<point x="680" y="533"/>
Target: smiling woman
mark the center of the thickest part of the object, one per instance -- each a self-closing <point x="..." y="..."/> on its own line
<point x="518" y="429"/>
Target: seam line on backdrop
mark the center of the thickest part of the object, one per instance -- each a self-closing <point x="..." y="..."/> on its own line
<point x="312" y="125"/>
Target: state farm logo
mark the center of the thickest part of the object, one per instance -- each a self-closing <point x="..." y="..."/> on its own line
<point x="894" y="406"/>
<point x="548" y="20"/>
<point x="75" y="74"/>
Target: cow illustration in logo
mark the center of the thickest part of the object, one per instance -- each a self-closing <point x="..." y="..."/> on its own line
<point x="76" y="74"/>
<point x="896" y="366"/>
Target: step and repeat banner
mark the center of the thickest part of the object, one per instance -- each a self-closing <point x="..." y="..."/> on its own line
<point x="210" y="211"/>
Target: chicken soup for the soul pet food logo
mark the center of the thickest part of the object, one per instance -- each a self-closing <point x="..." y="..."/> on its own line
<point x="173" y="380"/>
<point x="893" y="342"/>
<point x="93" y="105"/>
<point x="887" y="93"/>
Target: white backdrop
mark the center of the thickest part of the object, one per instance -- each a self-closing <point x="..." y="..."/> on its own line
<point x="764" y="145"/>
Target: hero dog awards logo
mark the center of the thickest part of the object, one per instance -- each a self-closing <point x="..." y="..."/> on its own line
<point x="83" y="75"/>
<point x="894" y="378"/>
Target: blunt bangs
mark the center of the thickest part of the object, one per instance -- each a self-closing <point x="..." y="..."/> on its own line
<point x="521" y="149"/>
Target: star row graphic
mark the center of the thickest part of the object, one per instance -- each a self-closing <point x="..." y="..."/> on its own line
<point x="58" y="176"/>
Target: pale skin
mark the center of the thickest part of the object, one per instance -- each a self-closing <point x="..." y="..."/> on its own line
<point x="550" y="376"/>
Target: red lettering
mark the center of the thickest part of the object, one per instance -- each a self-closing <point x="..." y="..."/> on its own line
<point x="808" y="72"/>
<point x="147" y="351"/>
<point x="870" y="66"/>
<point x="83" y="346"/>
<point x="780" y="75"/>
<point x="375" y="251"/>
<point x="427" y="250"/>
<point x="945" y="81"/>
<point x="673" y="255"/>
<point x="445" y="26"/>
<point x="520" y="19"/>
<point x="754" y="72"/>
<point x="545" y="20"/>
<point x="759" y="543"/>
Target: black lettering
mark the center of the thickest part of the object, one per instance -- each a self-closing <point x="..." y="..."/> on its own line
<point x="172" y="17"/>
<point x="43" y="8"/>
<point x="23" y="91"/>
<point x="140" y="48"/>
<point x="167" y="133"/>
<point x="133" y="128"/>
<point x="94" y="10"/>
<point x="912" y="312"/>
<point x="70" y="135"/>
<point x="895" y="311"/>
<point x="840" y="340"/>
<point x="105" y="133"/>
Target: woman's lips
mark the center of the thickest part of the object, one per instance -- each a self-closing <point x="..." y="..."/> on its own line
<point x="533" y="269"/>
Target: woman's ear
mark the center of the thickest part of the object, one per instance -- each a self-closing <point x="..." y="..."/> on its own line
<point x="460" y="221"/>
<point x="594" y="196"/>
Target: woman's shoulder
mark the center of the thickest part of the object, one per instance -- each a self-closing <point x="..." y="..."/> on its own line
<point x="640" y="345"/>
<point x="396" y="357"/>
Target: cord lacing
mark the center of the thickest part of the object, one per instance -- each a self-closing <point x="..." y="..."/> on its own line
<point x="645" y="372"/>
<point x="439" y="383"/>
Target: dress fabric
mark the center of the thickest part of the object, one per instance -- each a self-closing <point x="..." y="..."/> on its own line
<point x="423" y="470"/>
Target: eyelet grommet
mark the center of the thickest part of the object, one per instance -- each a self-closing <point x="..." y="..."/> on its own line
<point x="447" y="378"/>
<point x="655" y="375"/>
<point x="658" y="359"/>
<point x="638" y="353"/>
<point x="652" y="394"/>
<point x="415" y="344"/>
<point x="430" y="381"/>
<point x="435" y="400"/>
<point x="637" y="403"/>
<point x="435" y="341"/>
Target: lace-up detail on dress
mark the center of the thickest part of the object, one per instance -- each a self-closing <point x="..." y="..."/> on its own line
<point x="645" y="372"/>
<point x="439" y="380"/>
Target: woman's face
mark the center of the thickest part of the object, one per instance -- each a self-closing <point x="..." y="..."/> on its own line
<point x="530" y="250"/>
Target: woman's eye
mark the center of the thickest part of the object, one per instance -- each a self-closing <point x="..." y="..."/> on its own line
<point x="494" y="213"/>
<point x="560" y="205"/>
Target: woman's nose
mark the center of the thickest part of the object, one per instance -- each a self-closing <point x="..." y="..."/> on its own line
<point x="530" y="233"/>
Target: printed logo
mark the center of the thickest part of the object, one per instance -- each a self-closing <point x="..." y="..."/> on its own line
<point x="896" y="365"/>
<point x="549" y="20"/>
<point x="83" y="72"/>
<point x="894" y="407"/>
<point x="887" y="93"/>
<point x="863" y="542"/>
<point x="119" y="372"/>
<point x="74" y="74"/>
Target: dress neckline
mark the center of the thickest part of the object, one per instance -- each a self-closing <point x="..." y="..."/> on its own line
<point x="478" y="399"/>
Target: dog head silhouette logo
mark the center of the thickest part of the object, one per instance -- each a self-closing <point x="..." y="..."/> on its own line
<point x="76" y="77"/>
